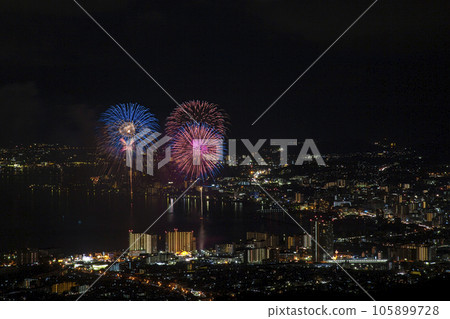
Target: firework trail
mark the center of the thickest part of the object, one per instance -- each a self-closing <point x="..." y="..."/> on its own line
<point x="197" y="150"/>
<point x="120" y="125"/>
<point x="197" y="112"/>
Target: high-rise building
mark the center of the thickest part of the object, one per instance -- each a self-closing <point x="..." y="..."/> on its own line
<point x="401" y="211"/>
<point x="143" y="243"/>
<point x="412" y="252"/>
<point x="27" y="257"/>
<point x="267" y="240"/>
<point x="60" y="288"/>
<point x="341" y="183"/>
<point x="225" y="249"/>
<point x="294" y="242"/>
<point x="257" y="255"/>
<point x="299" y="198"/>
<point x="322" y="238"/>
<point x="307" y="243"/>
<point x="256" y="236"/>
<point x="180" y="241"/>
<point x="273" y="241"/>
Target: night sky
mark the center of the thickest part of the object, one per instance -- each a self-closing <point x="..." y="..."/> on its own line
<point x="387" y="77"/>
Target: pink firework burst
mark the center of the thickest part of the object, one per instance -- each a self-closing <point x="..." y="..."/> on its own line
<point x="127" y="146"/>
<point x="196" y="111"/>
<point x="197" y="150"/>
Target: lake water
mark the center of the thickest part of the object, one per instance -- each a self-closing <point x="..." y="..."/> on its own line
<point x="81" y="221"/>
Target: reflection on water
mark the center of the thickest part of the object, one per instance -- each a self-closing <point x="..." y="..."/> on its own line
<point x="86" y="221"/>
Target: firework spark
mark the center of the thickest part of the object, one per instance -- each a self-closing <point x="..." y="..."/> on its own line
<point x="197" y="150"/>
<point x="120" y="126"/>
<point x="121" y="123"/>
<point x="197" y="112"/>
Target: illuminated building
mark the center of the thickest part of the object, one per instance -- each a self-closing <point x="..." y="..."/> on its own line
<point x="341" y="183"/>
<point x="298" y="198"/>
<point x="322" y="238"/>
<point x="225" y="249"/>
<point x="160" y="258"/>
<point x="63" y="287"/>
<point x="413" y="252"/>
<point x="257" y="255"/>
<point x="27" y="257"/>
<point x="180" y="241"/>
<point x="401" y="211"/>
<point x="266" y="239"/>
<point x="29" y="283"/>
<point x="143" y="243"/>
<point x="293" y="242"/>
<point x="307" y="243"/>
<point x="256" y="236"/>
<point x="272" y="241"/>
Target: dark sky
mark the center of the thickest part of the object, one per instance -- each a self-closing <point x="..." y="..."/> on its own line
<point x="387" y="77"/>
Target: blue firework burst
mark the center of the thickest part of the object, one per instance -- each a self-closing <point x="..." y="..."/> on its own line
<point x="122" y="123"/>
